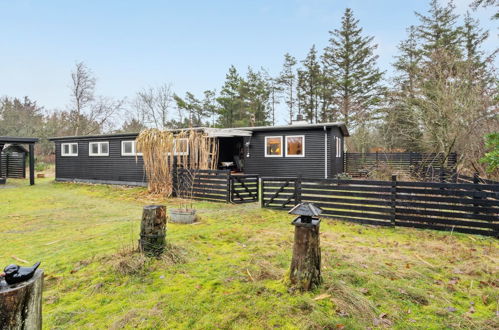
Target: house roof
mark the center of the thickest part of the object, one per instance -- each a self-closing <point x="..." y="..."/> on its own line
<point x="12" y="139"/>
<point x="216" y="132"/>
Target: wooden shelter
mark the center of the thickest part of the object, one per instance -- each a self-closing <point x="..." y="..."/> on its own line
<point x="18" y="141"/>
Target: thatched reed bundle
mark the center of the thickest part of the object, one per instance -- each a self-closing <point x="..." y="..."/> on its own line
<point x="162" y="151"/>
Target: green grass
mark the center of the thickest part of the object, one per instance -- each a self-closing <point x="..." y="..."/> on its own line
<point x="230" y="270"/>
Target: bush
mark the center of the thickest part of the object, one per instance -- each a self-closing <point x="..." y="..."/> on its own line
<point x="41" y="166"/>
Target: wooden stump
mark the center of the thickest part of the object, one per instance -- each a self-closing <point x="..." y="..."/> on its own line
<point x="153" y="230"/>
<point x="306" y="263"/>
<point x="21" y="304"/>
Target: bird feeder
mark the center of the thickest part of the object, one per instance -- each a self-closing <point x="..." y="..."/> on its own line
<point x="305" y="271"/>
<point x="308" y="214"/>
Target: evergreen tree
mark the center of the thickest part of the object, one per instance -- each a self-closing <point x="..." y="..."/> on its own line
<point x="473" y="38"/>
<point x="309" y="85"/>
<point x="257" y="94"/>
<point x="209" y="105"/>
<point x="400" y="129"/>
<point x="438" y="30"/>
<point x="230" y="100"/>
<point x="287" y="80"/>
<point x="350" y="67"/>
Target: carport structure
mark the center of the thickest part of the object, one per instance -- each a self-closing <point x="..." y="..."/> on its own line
<point x="4" y="140"/>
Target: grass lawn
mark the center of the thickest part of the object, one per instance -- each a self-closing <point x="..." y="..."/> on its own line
<point x="230" y="270"/>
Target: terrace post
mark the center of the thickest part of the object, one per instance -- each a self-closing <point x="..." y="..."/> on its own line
<point x="32" y="164"/>
<point x="153" y="230"/>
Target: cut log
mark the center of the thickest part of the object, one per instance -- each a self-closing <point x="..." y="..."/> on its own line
<point x="21" y="304"/>
<point x="305" y="271"/>
<point x="153" y="230"/>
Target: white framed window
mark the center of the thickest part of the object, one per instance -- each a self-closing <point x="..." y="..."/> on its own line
<point x="98" y="148"/>
<point x="128" y="148"/>
<point x="338" y="147"/>
<point x="295" y="146"/>
<point x="273" y="146"/>
<point x="181" y="147"/>
<point x="69" y="149"/>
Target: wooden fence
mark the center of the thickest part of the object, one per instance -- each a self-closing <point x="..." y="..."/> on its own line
<point x="13" y="165"/>
<point x="209" y="185"/>
<point x="216" y="186"/>
<point x="426" y="165"/>
<point x="468" y="208"/>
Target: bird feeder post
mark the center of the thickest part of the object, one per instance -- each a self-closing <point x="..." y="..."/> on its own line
<point x="305" y="273"/>
<point x="153" y="230"/>
<point x="21" y="304"/>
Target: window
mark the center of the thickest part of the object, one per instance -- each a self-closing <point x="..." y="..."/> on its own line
<point x="98" y="149"/>
<point x="295" y="146"/>
<point x="273" y="146"/>
<point x="128" y="149"/>
<point x="181" y="147"/>
<point x="338" y="147"/>
<point x="69" y="149"/>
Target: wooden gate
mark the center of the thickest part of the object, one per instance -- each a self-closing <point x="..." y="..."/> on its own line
<point x="244" y="188"/>
<point x="280" y="192"/>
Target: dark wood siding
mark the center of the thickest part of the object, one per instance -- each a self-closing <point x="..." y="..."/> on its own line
<point x="310" y="166"/>
<point x="114" y="167"/>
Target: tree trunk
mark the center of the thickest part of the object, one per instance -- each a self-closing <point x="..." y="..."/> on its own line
<point x="153" y="230"/>
<point x="306" y="263"/>
<point x="21" y="304"/>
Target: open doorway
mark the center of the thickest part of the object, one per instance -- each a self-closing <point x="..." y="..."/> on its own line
<point x="231" y="153"/>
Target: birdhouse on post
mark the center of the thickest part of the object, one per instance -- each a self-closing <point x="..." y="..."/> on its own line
<point x="305" y="271"/>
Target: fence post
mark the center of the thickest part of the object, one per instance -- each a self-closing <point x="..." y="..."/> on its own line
<point x="261" y="192"/>
<point x="393" y="191"/>
<point x="229" y="187"/>
<point x="298" y="190"/>
<point x="476" y="180"/>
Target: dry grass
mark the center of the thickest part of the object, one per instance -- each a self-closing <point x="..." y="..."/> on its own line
<point x="163" y="150"/>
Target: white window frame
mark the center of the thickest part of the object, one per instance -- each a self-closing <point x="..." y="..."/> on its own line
<point x="265" y="146"/>
<point x="303" y="144"/>
<point x="175" y="147"/>
<point x="99" y="148"/>
<point x="134" y="148"/>
<point x="338" y="147"/>
<point x="71" y="153"/>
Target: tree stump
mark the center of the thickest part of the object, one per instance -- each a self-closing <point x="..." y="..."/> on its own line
<point x="306" y="262"/>
<point x="153" y="230"/>
<point x="21" y="304"/>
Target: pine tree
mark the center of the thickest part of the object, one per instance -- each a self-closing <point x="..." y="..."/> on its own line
<point x="256" y="98"/>
<point x="287" y="80"/>
<point x="400" y="128"/>
<point x="438" y="30"/>
<point x="230" y="99"/>
<point x="309" y="85"/>
<point x="350" y="68"/>
<point x="473" y="38"/>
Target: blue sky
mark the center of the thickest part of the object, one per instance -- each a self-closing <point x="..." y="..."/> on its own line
<point x="131" y="45"/>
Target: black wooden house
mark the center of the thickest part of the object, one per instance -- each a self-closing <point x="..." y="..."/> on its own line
<point x="300" y="149"/>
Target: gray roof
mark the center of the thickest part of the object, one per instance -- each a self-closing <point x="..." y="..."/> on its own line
<point x="12" y="139"/>
<point x="235" y="131"/>
<point x="307" y="209"/>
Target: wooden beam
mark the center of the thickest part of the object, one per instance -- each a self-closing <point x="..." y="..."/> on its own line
<point x="32" y="164"/>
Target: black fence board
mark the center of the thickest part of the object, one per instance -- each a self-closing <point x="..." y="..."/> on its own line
<point x="468" y="208"/>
